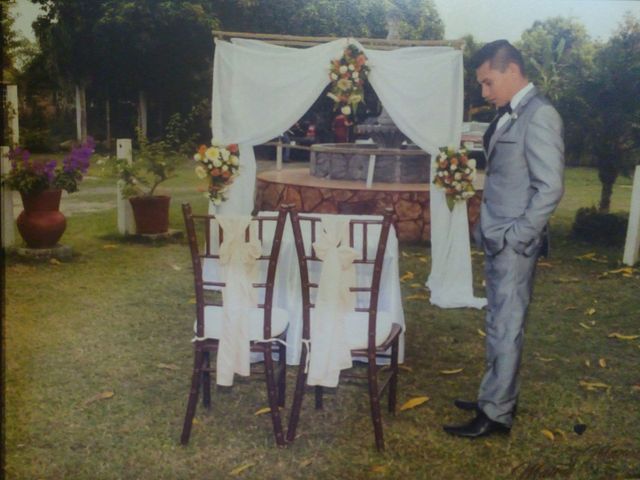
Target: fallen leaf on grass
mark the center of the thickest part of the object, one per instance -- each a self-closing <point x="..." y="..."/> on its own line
<point x="567" y="280"/>
<point x="545" y="264"/>
<point x="481" y="332"/>
<point x="407" y="276"/>
<point x="603" y="363"/>
<point x="586" y="256"/>
<point x="451" y="372"/>
<point x="548" y="433"/>
<point x="380" y="469"/>
<point x="422" y="259"/>
<point x="405" y="254"/>
<point x="168" y="366"/>
<point x="54" y="261"/>
<point x="590" y="311"/>
<point x="238" y="470"/>
<point x="592" y="386"/>
<point x="624" y="270"/>
<point x="570" y="307"/>
<point x="587" y="363"/>
<point x="109" y="246"/>
<point x="620" y="336"/>
<point x="561" y="433"/>
<point x="306" y="463"/>
<point x="405" y="367"/>
<point x="176" y="267"/>
<point x="585" y="326"/>
<point x="263" y="411"/>
<point x="416" y="285"/>
<point x="413" y="403"/>
<point x="546" y="359"/>
<point x="99" y="396"/>
<point x="418" y="296"/>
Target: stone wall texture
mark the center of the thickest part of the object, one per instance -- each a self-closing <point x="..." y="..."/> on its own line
<point x="411" y="209"/>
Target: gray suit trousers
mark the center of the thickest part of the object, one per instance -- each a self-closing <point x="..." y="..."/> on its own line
<point x="509" y="283"/>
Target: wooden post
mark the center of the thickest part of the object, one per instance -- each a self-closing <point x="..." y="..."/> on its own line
<point x="279" y="154"/>
<point x="8" y="237"/>
<point x="632" y="244"/>
<point x="370" y="170"/>
<point x="13" y="117"/>
<point x="126" y="223"/>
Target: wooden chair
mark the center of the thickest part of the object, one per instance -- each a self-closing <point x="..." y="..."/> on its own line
<point x="267" y="324"/>
<point x="371" y="332"/>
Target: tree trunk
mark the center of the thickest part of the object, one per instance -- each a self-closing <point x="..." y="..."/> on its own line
<point x="108" y="121"/>
<point x="81" y="113"/>
<point x="607" y="173"/>
<point x="142" y="113"/>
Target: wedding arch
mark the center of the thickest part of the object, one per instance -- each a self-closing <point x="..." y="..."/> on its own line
<point x="262" y="84"/>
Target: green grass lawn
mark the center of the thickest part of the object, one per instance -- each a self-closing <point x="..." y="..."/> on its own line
<point x="97" y="360"/>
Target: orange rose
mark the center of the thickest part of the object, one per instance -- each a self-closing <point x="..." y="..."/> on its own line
<point x="202" y="149"/>
<point x="361" y="60"/>
<point x="233" y="148"/>
<point x="215" y="172"/>
<point x="226" y="174"/>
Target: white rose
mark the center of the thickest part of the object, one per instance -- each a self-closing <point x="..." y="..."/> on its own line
<point x="201" y="172"/>
<point x="472" y="163"/>
<point x="351" y="67"/>
<point x="225" y="154"/>
<point x="343" y="69"/>
<point x="355" y="75"/>
<point x="225" y="168"/>
<point x="197" y="157"/>
<point x="332" y="97"/>
<point x="212" y="153"/>
<point x="217" y="162"/>
<point x="334" y="76"/>
<point x="453" y="167"/>
<point x="234" y="160"/>
<point x="346" y="110"/>
<point x="457" y="176"/>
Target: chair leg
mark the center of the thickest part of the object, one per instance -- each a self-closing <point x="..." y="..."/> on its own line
<point x="193" y="397"/>
<point x="319" y="393"/>
<point x="393" y="384"/>
<point x="206" y="381"/>
<point x="282" y="378"/>
<point x="273" y="397"/>
<point x="298" y="395"/>
<point x="374" y="398"/>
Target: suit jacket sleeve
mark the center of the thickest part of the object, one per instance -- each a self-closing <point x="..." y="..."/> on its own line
<point x="544" y="152"/>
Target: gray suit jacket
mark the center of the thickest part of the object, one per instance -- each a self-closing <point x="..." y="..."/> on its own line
<point x="524" y="177"/>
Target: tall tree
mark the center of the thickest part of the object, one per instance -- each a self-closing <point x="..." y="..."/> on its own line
<point x="613" y="120"/>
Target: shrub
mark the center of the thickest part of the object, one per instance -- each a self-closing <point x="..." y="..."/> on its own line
<point x="593" y="226"/>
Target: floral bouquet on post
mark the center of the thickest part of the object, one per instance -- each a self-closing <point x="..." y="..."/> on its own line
<point x="455" y="172"/>
<point x="220" y="165"/>
<point x="348" y="74"/>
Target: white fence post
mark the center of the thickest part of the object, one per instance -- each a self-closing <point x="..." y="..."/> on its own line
<point x="632" y="244"/>
<point x="8" y="236"/>
<point x="126" y="223"/>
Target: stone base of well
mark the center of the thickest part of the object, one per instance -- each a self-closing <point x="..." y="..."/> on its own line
<point x="57" y="252"/>
<point x="409" y="201"/>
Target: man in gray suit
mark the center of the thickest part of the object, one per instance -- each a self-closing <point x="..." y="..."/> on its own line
<point x="523" y="185"/>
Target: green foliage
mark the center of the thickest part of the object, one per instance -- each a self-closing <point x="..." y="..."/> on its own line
<point x="600" y="228"/>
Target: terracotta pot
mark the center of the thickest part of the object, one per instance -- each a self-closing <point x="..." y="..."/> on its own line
<point x="151" y="214"/>
<point x="41" y="223"/>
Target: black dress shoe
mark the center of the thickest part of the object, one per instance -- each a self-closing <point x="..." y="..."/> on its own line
<point x="480" y="426"/>
<point x="466" y="405"/>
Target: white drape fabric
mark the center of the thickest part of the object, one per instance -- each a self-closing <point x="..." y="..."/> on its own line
<point x="240" y="269"/>
<point x="330" y="352"/>
<point x="260" y="90"/>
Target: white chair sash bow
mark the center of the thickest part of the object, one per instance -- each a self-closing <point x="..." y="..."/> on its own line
<point x="330" y="352"/>
<point x="239" y="272"/>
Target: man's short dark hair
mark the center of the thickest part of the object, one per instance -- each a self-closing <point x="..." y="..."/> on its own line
<point x="499" y="54"/>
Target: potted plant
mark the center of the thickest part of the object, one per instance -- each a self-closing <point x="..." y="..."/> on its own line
<point x="153" y="164"/>
<point x="40" y="184"/>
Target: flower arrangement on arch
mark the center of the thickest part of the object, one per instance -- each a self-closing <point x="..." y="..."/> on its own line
<point x="219" y="164"/>
<point x="348" y="74"/>
<point x="455" y="173"/>
<point x="30" y="177"/>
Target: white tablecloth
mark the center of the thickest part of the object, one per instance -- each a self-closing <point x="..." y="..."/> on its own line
<point x="287" y="293"/>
